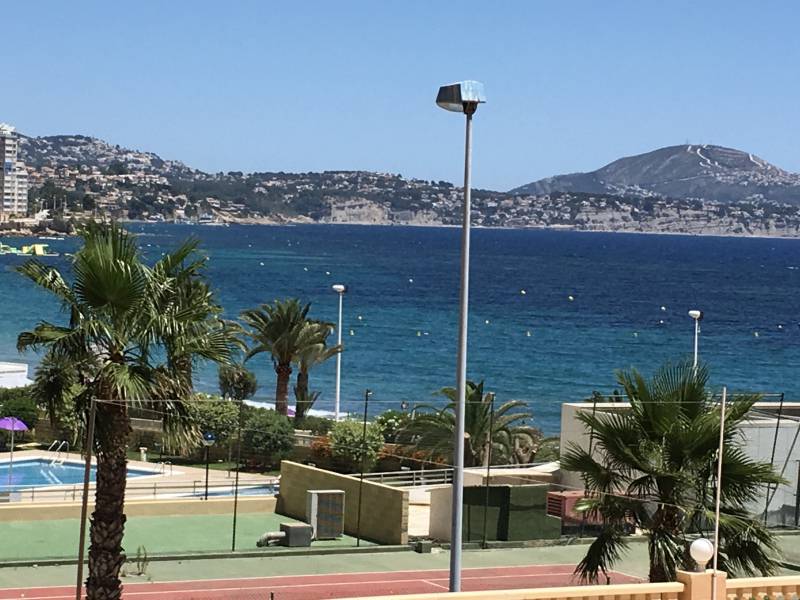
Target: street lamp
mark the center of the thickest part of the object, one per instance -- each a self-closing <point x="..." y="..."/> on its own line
<point x="697" y="315"/>
<point x="208" y="441"/>
<point x="339" y="289"/>
<point x="701" y="551"/>
<point x="462" y="97"/>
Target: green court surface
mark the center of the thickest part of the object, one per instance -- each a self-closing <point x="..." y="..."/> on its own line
<point x="39" y="540"/>
<point x="634" y="562"/>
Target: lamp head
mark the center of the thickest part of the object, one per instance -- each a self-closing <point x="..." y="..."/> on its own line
<point x="462" y="97"/>
<point x="701" y="551"/>
<point x="697" y="315"/>
<point x="339" y="288"/>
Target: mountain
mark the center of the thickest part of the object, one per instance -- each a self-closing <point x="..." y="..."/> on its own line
<point x="703" y="172"/>
<point x="72" y="150"/>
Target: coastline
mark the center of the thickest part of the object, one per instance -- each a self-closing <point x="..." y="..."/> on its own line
<point x="289" y="221"/>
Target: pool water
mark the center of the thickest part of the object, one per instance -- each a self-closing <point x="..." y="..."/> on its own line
<point x="39" y="472"/>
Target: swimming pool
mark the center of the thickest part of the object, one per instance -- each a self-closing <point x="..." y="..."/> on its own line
<point x="38" y="472"/>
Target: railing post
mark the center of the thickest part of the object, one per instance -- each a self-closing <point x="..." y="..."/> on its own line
<point x="699" y="586"/>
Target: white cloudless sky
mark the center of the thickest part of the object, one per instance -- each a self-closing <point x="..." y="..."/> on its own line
<point x="308" y="86"/>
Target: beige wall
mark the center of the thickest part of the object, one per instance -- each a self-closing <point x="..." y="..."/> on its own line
<point x="384" y="517"/>
<point x="37" y="511"/>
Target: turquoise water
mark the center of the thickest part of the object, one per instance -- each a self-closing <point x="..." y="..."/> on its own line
<point x="539" y="346"/>
<point x="27" y="473"/>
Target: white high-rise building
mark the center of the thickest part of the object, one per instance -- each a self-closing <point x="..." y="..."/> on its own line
<point x="13" y="176"/>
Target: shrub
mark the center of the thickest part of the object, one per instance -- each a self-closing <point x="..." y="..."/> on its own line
<point x="347" y="440"/>
<point x="268" y="434"/>
<point x="18" y="402"/>
<point x="391" y="423"/>
<point x="237" y="382"/>
<point x="220" y="417"/>
<point x="317" y="425"/>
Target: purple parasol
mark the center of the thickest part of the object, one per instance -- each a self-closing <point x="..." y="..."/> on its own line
<point x="12" y="424"/>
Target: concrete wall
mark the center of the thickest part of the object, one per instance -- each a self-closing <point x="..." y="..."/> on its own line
<point x="37" y="511"/>
<point x="384" y="516"/>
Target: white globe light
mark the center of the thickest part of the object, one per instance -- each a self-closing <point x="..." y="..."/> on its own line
<point x="701" y="551"/>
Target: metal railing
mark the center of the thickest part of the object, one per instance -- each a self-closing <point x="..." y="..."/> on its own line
<point x="422" y="477"/>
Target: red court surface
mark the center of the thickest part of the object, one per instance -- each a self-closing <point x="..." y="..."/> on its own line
<point x="339" y="585"/>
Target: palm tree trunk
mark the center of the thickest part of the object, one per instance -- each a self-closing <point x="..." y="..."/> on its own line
<point x="284" y="372"/>
<point x="106" y="555"/>
<point x="301" y="396"/>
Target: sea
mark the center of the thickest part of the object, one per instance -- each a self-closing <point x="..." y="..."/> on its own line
<point x="553" y="315"/>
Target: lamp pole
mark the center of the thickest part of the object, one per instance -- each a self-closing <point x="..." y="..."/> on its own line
<point x="461" y="97"/>
<point x="697" y="316"/>
<point x="339" y="289"/>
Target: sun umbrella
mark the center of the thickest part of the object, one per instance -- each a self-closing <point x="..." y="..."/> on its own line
<point x="12" y="424"/>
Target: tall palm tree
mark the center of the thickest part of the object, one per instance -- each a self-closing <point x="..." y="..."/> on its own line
<point x="280" y="329"/>
<point x="314" y="351"/>
<point x="432" y="429"/>
<point x="653" y="467"/>
<point x="122" y="316"/>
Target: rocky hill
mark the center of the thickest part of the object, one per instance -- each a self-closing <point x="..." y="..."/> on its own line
<point x="681" y="189"/>
<point x="73" y="150"/>
<point x="701" y="172"/>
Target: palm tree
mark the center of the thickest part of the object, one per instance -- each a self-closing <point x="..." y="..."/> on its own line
<point x="653" y="467"/>
<point x="432" y="429"/>
<point x="122" y="316"/>
<point x="237" y="382"/>
<point x="314" y="351"/>
<point x="281" y="330"/>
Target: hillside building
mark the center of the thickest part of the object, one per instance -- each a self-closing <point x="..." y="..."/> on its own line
<point x="13" y="176"/>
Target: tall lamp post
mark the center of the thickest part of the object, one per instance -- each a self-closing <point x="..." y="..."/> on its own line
<point x="208" y="441"/>
<point x="697" y="315"/>
<point x="339" y="289"/>
<point x="462" y="97"/>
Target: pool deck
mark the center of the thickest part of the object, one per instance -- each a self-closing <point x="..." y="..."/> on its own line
<point x="166" y="481"/>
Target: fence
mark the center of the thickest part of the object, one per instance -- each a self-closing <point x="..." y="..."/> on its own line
<point x="690" y="586"/>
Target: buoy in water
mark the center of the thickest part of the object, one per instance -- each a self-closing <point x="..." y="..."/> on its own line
<point x="661" y="321"/>
<point x="635" y="334"/>
<point x="305" y="268"/>
<point x="360" y="317"/>
<point x="570" y="298"/>
<point x="410" y="280"/>
<point x="755" y="334"/>
<point x="261" y="263"/>
<point x="419" y="334"/>
<point x="486" y="321"/>
<point x="352" y="332"/>
<point x="327" y="272"/>
<point x="663" y="308"/>
<point x="528" y="333"/>
<point x="523" y="292"/>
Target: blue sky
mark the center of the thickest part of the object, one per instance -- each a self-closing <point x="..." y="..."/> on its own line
<point x="301" y="86"/>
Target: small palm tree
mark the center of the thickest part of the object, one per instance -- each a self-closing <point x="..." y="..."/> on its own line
<point x="122" y="316"/>
<point x="432" y="428"/>
<point x="653" y="467"/>
<point x="282" y="330"/>
<point x="315" y="351"/>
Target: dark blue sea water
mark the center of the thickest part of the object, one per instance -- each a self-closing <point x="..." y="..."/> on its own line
<point x="401" y="310"/>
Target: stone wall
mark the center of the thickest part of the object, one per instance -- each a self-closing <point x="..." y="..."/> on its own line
<point x="384" y="516"/>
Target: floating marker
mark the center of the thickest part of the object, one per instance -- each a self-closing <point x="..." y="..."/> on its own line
<point x="360" y="317"/>
<point x="305" y="268"/>
<point x="425" y="333"/>
<point x="327" y="272"/>
<point x="780" y="326"/>
<point x="570" y="298"/>
<point x="528" y="333"/>
<point x="635" y="334"/>
<point x="664" y="308"/>
<point x="410" y="280"/>
<point x="661" y="321"/>
<point x="755" y="333"/>
<point x="486" y="321"/>
<point x="523" y="292"/>
<point x="352" y="332"/>
<point x="419" y="334"/>
<point x="261" y="263"/>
